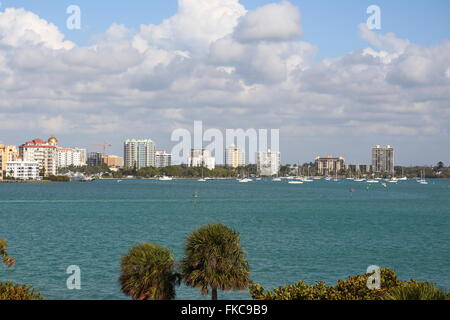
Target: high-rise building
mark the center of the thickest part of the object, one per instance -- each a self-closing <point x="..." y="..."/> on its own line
<point x="201" y="157"/>
<point x="113" y="161"/>
<point x="268" y="163"/>
<point x="42" y="152"/>
<point x="383" y="159"/>
<point x="234" y="157"/>
<point x="71" y="157"/>
<point x="329" y="164"/>
<point x="139" y="153"/>
<point x="95" y="159"/>
<point x="163" y="159"/>
<point x="7" y="153"/>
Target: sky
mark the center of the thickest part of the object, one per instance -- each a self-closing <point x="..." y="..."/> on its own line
<point x="313" y="69"/>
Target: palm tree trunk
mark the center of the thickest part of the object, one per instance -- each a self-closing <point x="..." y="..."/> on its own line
<point x="214" y="293"/>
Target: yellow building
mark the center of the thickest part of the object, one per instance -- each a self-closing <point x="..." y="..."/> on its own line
<point x="7" y="153"/>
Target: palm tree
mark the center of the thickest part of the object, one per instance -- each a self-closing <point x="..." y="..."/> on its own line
<point x="416" y="291"/>
<point x="214" y="259"/>
<point x="8" y="261"/>
<point x="147" y="273"/>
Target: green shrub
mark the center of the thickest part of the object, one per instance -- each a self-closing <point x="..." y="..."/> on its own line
<point x="416" y="291"/>
<point x="354" y="288"/>
<point x="11" y="291"/>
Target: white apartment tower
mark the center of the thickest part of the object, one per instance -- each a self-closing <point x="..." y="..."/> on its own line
<point x="201" y="157"/>
<point x="71" y="157"/>
<point x="163" y="159"/>
<point x="268" y="163"/>
<point x="139" y="154"/>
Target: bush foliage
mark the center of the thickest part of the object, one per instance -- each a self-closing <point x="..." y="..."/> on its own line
<point x="11" y="291"/>
<point x="354" y="288"/>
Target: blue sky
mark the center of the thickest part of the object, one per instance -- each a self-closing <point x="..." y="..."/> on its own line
<point x="329" y="24"/>
<point x="378" y="88"/>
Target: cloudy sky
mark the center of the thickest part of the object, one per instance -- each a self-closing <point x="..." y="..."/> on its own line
<point x="313" y="69"/>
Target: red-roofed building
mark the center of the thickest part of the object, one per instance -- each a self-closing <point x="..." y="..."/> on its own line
<point x="43" y="152"/>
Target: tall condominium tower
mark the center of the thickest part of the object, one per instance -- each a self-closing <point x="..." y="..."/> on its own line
<point x="139" y="153"/>
<point x="234" y="157"/>
<point x="383" y="159"/>
<point x="268" y="163"/>
<point x="43" y="152"/>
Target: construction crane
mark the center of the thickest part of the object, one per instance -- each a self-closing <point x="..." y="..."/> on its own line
<point x="104" y="145"/>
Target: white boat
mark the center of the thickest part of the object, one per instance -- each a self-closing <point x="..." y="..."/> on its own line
<point x="360" y="180"/>
<point x="307" y="179"/>
<point x="201" y="180"/>
<point x="403" y="179"/>
<point x="245" y="180"/>
<point x="422" y="178"/>
<point x="296" y="182"/>
<point x="373" y="181"/>
<point x="276" y="179"/>
<point x="165" y="178"/>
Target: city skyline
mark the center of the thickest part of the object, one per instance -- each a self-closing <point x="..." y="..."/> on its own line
<point x="169" y="63"/>
<point x="218" y="161"/>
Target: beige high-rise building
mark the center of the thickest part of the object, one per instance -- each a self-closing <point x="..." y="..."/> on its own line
<point x="7" y="154"/>
<point x="234" y="157"/>
<point x="43" y="152"/>
<point x="329" y="164"/>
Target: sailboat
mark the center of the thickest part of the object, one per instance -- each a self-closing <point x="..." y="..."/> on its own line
<point x="202" y="179"/>
<point x="297" y="179"/>
<point x="335" y="175"/>
<point x="403" y="178"/>
<point x="422" y="178"/>
<point x="308" y="179"/>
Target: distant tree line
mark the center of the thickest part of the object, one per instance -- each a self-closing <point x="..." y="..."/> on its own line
<point x="306" y="169"/>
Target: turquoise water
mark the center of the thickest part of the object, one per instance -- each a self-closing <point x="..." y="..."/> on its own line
<point x="312" y="232"/>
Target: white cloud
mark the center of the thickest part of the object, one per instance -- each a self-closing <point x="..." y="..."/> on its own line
<point x="276" y="22"/>
<point x="19" y="27"/>
<point x="196" y="24"/>
<point x="200" y="64"/>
